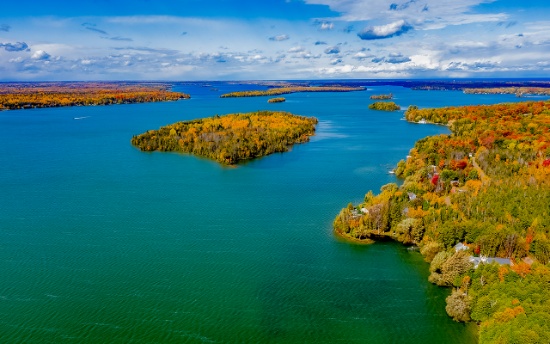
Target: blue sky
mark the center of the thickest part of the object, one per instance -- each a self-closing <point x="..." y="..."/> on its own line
<point x="273" y="39"/>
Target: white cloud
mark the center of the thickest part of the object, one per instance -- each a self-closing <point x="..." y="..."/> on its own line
<point x="279" y="38"/>
<point x="426" y="14"/>
<point x="297" y="49"/>
<point x="385" y="31"/>
<point x="326" y="26"/>
<point x="40" y="55"/>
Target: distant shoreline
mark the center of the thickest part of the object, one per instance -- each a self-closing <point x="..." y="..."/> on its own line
<point x="18" y="96"/>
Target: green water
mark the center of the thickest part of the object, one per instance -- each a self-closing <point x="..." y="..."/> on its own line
<point x="102" y="243"/>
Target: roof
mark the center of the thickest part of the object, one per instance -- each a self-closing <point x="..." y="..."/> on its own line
<point x="461" y="247"/>
<point x="489" y="260"/>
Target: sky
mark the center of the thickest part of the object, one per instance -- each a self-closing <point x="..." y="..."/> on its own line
<point x="187" y="40"/>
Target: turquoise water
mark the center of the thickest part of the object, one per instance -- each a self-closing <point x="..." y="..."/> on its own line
<point x="100" y="242"/>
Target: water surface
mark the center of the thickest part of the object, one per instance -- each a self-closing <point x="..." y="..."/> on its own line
<point x="100" y="242"/>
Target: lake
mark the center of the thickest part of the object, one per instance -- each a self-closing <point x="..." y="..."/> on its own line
<point x="100" y="242"/>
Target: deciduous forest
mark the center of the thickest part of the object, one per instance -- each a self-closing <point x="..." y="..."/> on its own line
<point x="276" y="100"/>
<point x="518" y="91"/>
<point x="41" y="95"/>
<point x="381" y="96"/>
<point x="291" y="89"/>
<point x="231" y="138"/>
<point x="384" y="106"/>
<point x="477" y="194"/>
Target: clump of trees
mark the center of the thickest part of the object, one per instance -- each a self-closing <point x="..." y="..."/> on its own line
<point x="276" y="100"/>
<point x="384" y="106"/>
<point x="485" y="185"/>
<point x="381" y="96"/>
<point x="25" y="96"/>
<point x="231" y="138"/>
<point x="291" y="89"/>
<point x="518" y="91"/>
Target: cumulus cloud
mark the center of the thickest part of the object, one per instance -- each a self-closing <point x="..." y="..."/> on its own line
<point x="19" y="46"/>
<point x="4" y="27"/>
<point x="296" y="50"/>
<point x="397" y="58"/>
<point x="361" y="55"/>
<point x="426" y="14"/>
<point x="479" y="65"/>
<point x="306" y="55"/>
<point x="393" y="58"/>
<point x="279" y="38"/>
<point x="332" y="50"/>
<point x="326" y="26"/>
<point x="40" y="55"/>
<point x="385" y="31"/>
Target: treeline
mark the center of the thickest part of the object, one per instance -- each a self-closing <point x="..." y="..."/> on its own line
<point x="486" y="186"/>
<point x="276" y="100"/>
<point x="293" y="89"/>
<point x="14" y="96"/>
<point x="381" y="96"/>
<point x="231" y="138"/>
<point x="518" y="91"/>
<point x="384" y="106"/>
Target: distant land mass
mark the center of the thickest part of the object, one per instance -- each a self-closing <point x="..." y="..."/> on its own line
<point x="291" y="89"/>
<point x="15" y="96"/>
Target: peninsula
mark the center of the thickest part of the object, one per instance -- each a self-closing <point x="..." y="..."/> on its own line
<point x="15" y="96"/>
<point x="479" y="194"/>
<point x="291" y="89"/>
<point x="232" y="138"/>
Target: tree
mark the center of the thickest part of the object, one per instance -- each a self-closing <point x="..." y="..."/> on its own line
<point x="458" y="305"/>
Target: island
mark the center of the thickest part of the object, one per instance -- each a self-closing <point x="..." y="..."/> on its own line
<point x="15" y="96"/>
<point x="475" y="203"/>
<point x="276" y="100"/>
<point x="381" y="96"/>
<point x="518" y="91"/>
<point x="291" y="89"/>
<point x="232" y="138"/>
<point x="384" y="106"/>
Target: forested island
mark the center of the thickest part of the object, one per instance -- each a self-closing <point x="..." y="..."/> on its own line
<point x="276" y="100"/>
<point x="518" y="91"/>
<point x="41" y="95"/>
<point x="381" y="96"/>
<point x="476" y="203"/>
<point x="232" y="138"/>
<point x="291" y="89"/>
<point x="384" y="106"/>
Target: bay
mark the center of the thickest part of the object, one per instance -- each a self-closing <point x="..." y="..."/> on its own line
<point x="100" y="242"/>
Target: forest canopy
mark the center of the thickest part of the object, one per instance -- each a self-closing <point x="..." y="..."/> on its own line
<point x="232" y="138"/>
<point x="384" y="106"/>
<point x="291" y="89"/>
<point x="42" y="95"/>
<point x="276" y="100"/>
